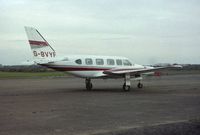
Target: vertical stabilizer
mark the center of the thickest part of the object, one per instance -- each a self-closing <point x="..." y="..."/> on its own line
<point x="39" y="46"/>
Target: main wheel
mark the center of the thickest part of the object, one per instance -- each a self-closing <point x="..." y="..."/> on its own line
<point x="140" y="85"/>
<point x="126" y="87"/>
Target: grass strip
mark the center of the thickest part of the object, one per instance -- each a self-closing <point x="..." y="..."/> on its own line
<point x="8" y="75"/>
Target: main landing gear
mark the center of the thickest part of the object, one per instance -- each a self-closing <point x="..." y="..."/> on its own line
<point x="88" y="84"/>
<point x="127" y="82"/>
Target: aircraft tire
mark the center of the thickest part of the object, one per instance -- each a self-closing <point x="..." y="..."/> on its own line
<point x="126" y="87"/>
<point x="140" y="85"/>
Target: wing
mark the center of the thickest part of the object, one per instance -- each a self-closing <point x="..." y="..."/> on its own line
<point x="132" y="71"/>
<point x="135" y="71"/>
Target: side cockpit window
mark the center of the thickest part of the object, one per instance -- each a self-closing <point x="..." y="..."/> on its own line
<point x="88" y="61"/>
<point x="78" y="61"/>
<point x="127" y="63"/>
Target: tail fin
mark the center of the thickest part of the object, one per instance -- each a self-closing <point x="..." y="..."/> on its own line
<point x="39" y="46"/>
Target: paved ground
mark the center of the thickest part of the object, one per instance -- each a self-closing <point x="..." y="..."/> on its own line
<point x="63" y="106"/>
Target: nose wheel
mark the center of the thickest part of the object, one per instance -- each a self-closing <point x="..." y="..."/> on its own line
<point x="88" y="84"/>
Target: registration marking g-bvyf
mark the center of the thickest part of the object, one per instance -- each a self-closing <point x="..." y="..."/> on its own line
<point x="44" y="54"/>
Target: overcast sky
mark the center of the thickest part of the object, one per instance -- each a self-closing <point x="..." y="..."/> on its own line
<point x="146" y="31"/>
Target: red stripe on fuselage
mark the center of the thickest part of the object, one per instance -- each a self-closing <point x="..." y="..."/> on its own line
<point x="76" y="68"/>
<point x="73" y="68"/>
<point x="40" y="43"/>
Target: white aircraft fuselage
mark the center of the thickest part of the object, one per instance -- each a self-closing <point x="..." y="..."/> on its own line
<point x="92" y="66"/>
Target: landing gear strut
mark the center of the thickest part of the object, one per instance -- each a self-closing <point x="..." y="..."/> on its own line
<point x="127" y="83"/>
<point x="88" y="84"/>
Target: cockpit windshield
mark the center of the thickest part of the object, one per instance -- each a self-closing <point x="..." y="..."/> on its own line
<point x="127" y="63"/>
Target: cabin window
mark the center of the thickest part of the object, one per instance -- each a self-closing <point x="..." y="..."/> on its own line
<point x="110" y="62"/>
<point x="119" y="62"/>
<point x="88" y="61"/>
<point x="99" y="61"/>
<point x="127" y="63"/>
<point x="78" y="61"/>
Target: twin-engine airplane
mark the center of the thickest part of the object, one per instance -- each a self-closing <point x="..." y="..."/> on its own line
<point x="87" y="66"/>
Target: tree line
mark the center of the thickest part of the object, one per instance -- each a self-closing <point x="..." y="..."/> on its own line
<point x="22" y="68"/>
